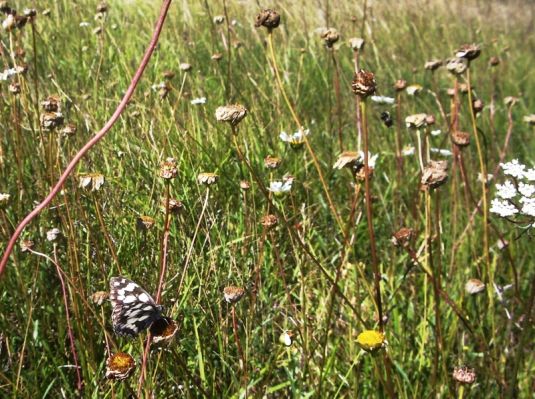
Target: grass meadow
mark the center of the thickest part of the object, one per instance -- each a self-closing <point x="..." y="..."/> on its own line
<point x="351" y="275"/>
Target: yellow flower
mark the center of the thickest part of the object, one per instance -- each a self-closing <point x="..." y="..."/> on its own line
<point x="371" y="340"/>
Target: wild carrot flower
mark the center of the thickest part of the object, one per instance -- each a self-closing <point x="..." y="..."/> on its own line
<point x="280" y="187"/>
<point x="53" y="234"/>
<point x="4" y="198"/>
<point x="120" y="366"/>
<point x="457" y="66"/>
<point x="371" y="340"/>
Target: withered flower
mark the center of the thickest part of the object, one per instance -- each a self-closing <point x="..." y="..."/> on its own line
<point x="233" y="294"/>
<point x="416" y="121"/>
<point x="464" y="375"/>
<point x="91" y="180"/>
<point x="364" y="84"/>
<point x="435" y="174"/>
<point x="433" y="65"/>
<point x="216" y="56"/>
<point x="232" y="114"/>
<point x="168" y="169"/>
<point x="414" y="89"/>
<point x="269" y="221"/>
<point x="120" y="366"/>
<point x="457" y="66"/>
<point x="163" y="330"/>
<point x="400" y="84"/>
<point x="219" y="19"/>
<point x="477" y="106"/>
<point x="272" y="162"/>
<point x="184" y="66"/>
<point x="268" y="18"/>
<point x="69" y="129"/>
<point x="474" y="286"/>
<point x="175" y="206"/>
<point x="102" y="7"/>
<point x="510" y="100"/>
<point x="168" y="75"/>
<point x="52" y="104"/>
<point x="145" y="222"/>
<point x="468" y="51"/>
<point x="14" y="88"/>
<point x="403" y="237"/>
<point x="51" y="120"/>
<point x="330" y="36"/>
<point x="529" y="119"/>
<point x="494" y="61"/>
<point x="461" y="139"/>
<point x="26" y="245"/>
<point x="207" y="178"/>
<point x="357" y="43"/>
<point x="245" y="185"/>
<point x="99" y="297"/>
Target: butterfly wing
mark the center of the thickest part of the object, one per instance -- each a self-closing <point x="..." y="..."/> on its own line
<point x="133" y="308"/>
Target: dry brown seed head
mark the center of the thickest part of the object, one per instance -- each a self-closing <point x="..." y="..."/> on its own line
<point x="268" y="18"/>
<point x="269" y="221"/>
<point x="477" y="106"/>
<point x="52" y="104"/>
<point x="457" y="66"/>
<point x="144" y="223"/>
<point x="435" y="174"/>
<point x="464" y="375"/>
<point x="233" y="294"/>
<point x="400" y="85"/>
<point x="175" y="206"/>
<point x="99" y="297"/>
<point x="168" y="169"/>
<point x="461" y="139"/>
<point x="120" y="366"/>
<point x="217" y="56"/>
<point x="494" y="61"/>
<point x="26" y="245"/>
<point x="91" y="180"/>
<point x="403" y="237"/>
<point x="347" y="159"/>
<point x="51" y="120"/>
<point x="330" y="36"/>
<point x="416" y="121"/>
<point x="14" y="88"/>
<point x="245" y="185"/>
<point x="69" y="129"/>
<point x="357" y="43"/>
<point x="102" y="7"/>
<point x="474" y="286"/>
<point x="232" y="114"/>
<point x="433" y="65"/>
<point x="468" y="51"/>
<point x="168" y="75"/>
<point x="364" y="84"/>
<point x="272" y="162"/>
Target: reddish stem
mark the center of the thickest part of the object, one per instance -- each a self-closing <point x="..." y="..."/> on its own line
<point x="120" y="108"/>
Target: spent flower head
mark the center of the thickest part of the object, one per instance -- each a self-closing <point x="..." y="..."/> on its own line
<point x="364" y="83"/>
<point x="268" y="18"/>
<point x="232" y="114"/>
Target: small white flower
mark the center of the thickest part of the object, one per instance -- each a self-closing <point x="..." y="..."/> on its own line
<point x="526" y="190"/>
<point x="84" y="24"/>
<point x="513" y="168"/>
<point x="437" y="132"/>
<point x="278" y="187"/>
<point x="480" y="177"/>
<point x="200" y="100"/>
<point x="296" y="138"/>
<point x="52" y="234"/>
<point x="441" y="151"/>
<point x="506" y="190"/>
<point x="408" y="150"/>
<point x="4" y="198"/>
<point x="286" y="338"/>
<point x="382" y="99"/>
<point x="413" y="89"/>
<point x="528" y="207"/>
<point x="502" y="208"/>
<point x="530" y="174"/>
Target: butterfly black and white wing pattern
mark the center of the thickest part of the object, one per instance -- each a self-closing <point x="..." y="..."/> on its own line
<point x="133" y="308"/>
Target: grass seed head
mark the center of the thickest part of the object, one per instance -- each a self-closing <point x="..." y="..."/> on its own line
<point x="120" y="366"/>
<point x="268" y="18"/>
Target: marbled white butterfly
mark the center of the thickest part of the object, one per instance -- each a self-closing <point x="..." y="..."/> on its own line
<point x="133" y="308"/>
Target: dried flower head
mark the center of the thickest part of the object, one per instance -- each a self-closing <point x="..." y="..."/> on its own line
<point x="51" y="120"/>
<point x="268" y="18"/>
<point x="53" y="234"/>
<point x="217" y="56"/>
<point x="102" y="7"/>
<point x="416" y="121"/>
<point x="14" y="88"/>
<point x="269" y="221"/>
<point x="120" y="366"/>
<point x="175" y="206"/>
<point x="184" y="66"/>
<point x="468" y="51"/>
<point x="355" y="161"/>
<point x="207" y="178"/>
<point x="330" y="36"/>
<point x="433" y="65"/>
<point x="364" y="84"/>
<point x="464" y="375"/>
<point x="477" y="106"/>
<point x="232" y="114"/>
<point x="357" y="43"/>
<point x="529" y="119"/>
<point x="233" y="294"/>
<point x="26" y="245"/>
<point x="245" y="185"/>
<point x="461" y="139"/>
<point x="91" y="180"/>
<point x="69" y="129"/>
<point x="400" y="84"/>
<point x="371" y="340"/>
<point x="457" y="66"/>
<point x="163" y="330"/>
<point x="286" y="338"/>
<point x="510" y="100"/>
<point x="403" y="237"/>
<point x="168" y="75"/>
<point x="414" y="89"/>
<point x="435" y="174"/>
<point x="99" y="297"/>
<point x="272" y="162"/>
<point x="474" y="286"/>
<point x="145" y="223"/>
<point x="494" y="61"/>
<point x="219" y="19"/>
<point x="4" y="198"/>
<point x="168" y="169"/>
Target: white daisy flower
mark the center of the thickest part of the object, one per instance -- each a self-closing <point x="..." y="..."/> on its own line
<point x="199" y="100"/>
